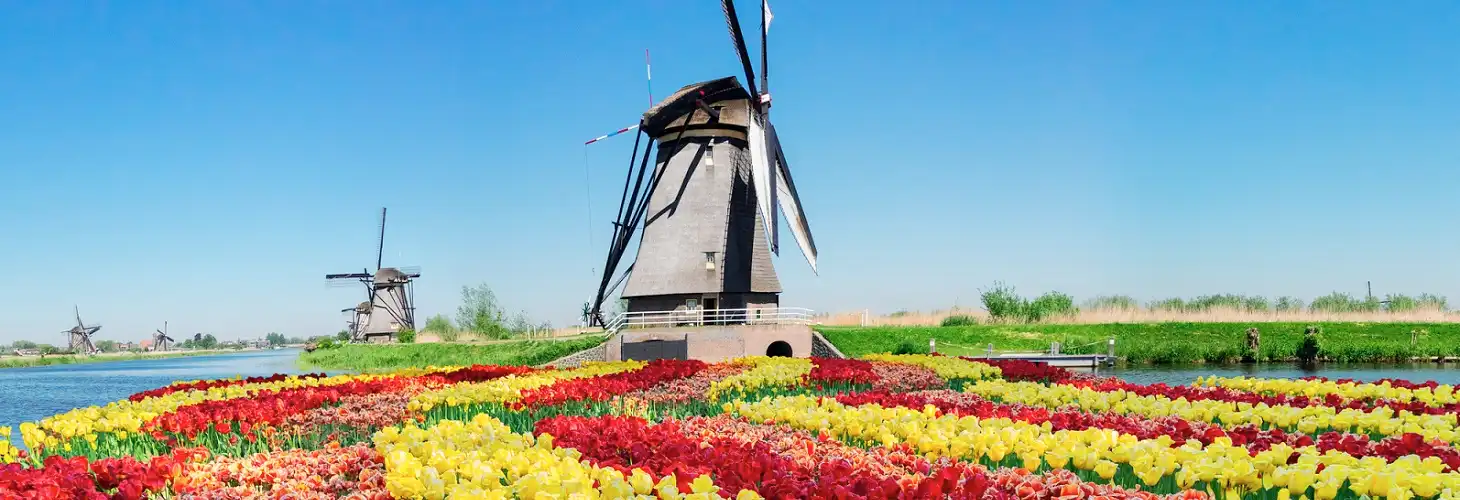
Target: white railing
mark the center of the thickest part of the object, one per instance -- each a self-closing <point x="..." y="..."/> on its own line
<point x="712" y="317"/>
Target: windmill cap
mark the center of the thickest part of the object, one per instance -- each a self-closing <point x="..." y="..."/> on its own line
<point x="389" y="274"/>
<point x="682" y="102"/>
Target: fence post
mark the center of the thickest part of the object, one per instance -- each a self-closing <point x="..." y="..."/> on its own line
<point x="1054" y="347"/>
<point x="991" y="351"/>
<point x="932" y="345"/>
<point x="1110" y="351"/>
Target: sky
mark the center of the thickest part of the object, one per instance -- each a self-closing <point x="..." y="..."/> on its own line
<point x="206" y="163"/>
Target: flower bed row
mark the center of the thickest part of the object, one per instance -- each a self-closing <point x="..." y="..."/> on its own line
<point x="886" y="426"/>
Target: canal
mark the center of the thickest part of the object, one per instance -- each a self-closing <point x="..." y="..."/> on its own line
<point x="28" y="394"/>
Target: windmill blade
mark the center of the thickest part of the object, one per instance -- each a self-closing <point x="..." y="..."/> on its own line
<point x="763" y="178"/>
<point x="791" y="202"/>
<point x="78" y="316"/>
<point x="380" y="247"/>
<point x="732" y="20"/>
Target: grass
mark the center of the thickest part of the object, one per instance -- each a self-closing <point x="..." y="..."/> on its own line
<point x="70" y="359"/>
<point x="371" y="357"/>
<point x="1165" y="343"/>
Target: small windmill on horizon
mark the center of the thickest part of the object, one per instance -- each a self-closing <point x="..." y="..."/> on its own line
<point x="389" y="306"/>
<point x="160" y="341"/>
<point x="78" y="338"/>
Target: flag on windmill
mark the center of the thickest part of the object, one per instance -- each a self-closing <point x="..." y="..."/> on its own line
<point x="766" y="7"/>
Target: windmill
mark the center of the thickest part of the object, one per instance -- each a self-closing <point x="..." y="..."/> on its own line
<point x="160" y="340"/>
<point x="708" y="206"/>
<point x="79" y="336"/>
<point x="389" y="306"/>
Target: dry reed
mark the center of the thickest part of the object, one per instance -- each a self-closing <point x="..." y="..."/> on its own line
<point x="1144" y="315"/>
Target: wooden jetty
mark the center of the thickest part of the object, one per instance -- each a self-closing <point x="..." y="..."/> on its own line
<point x="1053" y="357"/>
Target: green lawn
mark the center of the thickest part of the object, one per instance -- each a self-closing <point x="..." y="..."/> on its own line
<point x="1164" y="343"/>
<point x="373" y="357"/>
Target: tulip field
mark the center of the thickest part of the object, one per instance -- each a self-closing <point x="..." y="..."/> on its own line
<point x="883" y="426"/>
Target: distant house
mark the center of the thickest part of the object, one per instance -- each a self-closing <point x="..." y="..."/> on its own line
<point x="145" y="345"/>
<point x="126" y="346"/>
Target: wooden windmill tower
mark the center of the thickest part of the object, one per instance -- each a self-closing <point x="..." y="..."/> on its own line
<point x="389" y="307"/>
<point x="78" y="338"/>
<point x="160" y="341"/>
<point x="709" y="203"/>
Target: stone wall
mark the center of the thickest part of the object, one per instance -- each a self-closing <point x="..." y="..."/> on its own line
<point x="596" y="353"/>
<point x="822" y="348"/>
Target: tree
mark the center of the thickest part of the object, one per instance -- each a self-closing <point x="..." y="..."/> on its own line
<point x="201" y="341"/>
<point x="479" y="312"/>
<point x="24" y="344"/>
<point x="276" y="338"/>
<point x="342" y="335"/>
<point x="106" y="345"/>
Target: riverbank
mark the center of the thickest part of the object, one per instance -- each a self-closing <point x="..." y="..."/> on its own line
<point x="1165" y="343"/>
<point x="71" y="359"/>
<point x="374" y="357"/>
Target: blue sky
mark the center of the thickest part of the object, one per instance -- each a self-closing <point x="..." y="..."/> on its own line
<point x="205" y="163"/>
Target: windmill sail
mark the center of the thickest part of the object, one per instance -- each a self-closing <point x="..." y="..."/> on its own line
<point x="791" y="202"/>
<point x="763" y="176"/>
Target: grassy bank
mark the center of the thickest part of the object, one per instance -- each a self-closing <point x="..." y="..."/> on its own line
<point x="68" y="359"/>
<point x="368" y="357"/>
<point x="1164" y="343"/>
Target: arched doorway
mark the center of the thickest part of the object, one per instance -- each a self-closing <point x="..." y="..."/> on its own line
<point x="779" y="349"/>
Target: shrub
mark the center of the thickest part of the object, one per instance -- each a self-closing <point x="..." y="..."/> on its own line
<point x="1049" y="305"/>
<point x="442" y="327"/>
<point x="1121" y="302"/>
<point x="1308" y="349"/>
<point x="1431" y="302"/>
<point x="960" y="320"/>
<point x="1002" y="303"/>
<point x="907" y="347"/>
<point x="1254" y="303"/>
<point x="1335" y="302"/>
<point x="406" y="337"/>
<point x="1286" y="303"/>
<point x="1171" y="304"/>
<point x="1400" y="303"/>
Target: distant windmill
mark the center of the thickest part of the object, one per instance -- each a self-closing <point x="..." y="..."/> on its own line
<point x="389" y="305"/>
<point x="160" y="340"/>
<point x="79" y="336"/>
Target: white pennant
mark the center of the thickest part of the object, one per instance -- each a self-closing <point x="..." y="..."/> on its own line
<point x="767" y="6"/>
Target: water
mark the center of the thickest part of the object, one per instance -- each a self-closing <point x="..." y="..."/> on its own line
<point x="1186" y="374"/>
<point x="29" y="394"/>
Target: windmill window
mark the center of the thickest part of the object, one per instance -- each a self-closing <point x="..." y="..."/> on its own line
<point x="709" y="261"/>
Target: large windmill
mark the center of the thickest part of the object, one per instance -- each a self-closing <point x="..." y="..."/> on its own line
<point x="709" y="204"/>
<point x="78" y="338"/>
<point x="389" y="306"/>
<point x="160" y="340"/>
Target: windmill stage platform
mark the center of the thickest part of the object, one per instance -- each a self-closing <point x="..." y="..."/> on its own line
<point x="714" y="335"/>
